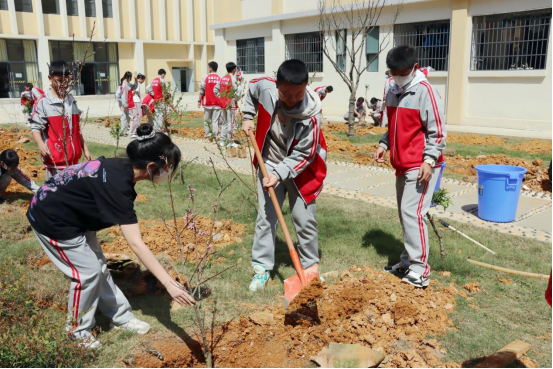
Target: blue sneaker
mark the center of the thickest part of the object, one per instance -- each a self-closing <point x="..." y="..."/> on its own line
<point x="260" y="278"/>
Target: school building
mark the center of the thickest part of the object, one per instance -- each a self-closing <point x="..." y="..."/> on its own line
<point x="141" y="36"/>
<point x="492" y="58"/>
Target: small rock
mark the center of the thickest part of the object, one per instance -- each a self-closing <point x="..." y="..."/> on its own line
<point x="432" y="304"/>
<point x="226" y="238"/>
<point x="448" y="306"/>
<point x="393" y="297"/>
<point x="430" y="342"/>
<point x="387" y="319"/>
<point x="525" y="188"/>
<point x="445" y="274"/>
<point x="262" y="318"/>
<point x="338" y="355"/>
<point x="23" y="140"/>
<point x="468" y="157"/>
<point x="330" y="275"/>
<point x="218" y="224"/>
<point x="481" y="157"/>
<point x="328" y="331"/>
<point x="217" y="237"/>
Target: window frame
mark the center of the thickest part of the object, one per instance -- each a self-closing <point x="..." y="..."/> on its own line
<point x="90" y="6"/>
<point x="22" y="5"/>
<point x="484" y="46"/>
<point x="74" y="6"/>
<point x="341" y="55"/>
<point x="258" y="52"/>
<point x="436" y="34"/>
<point x="107" y="8"/>
<point x="372" y="53"/>
<point x="57" y="6"/>
<point x="316" y="64"/>
<point x="4" y="5"/>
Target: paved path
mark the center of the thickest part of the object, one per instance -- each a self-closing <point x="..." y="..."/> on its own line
<point x="377" y="186"/>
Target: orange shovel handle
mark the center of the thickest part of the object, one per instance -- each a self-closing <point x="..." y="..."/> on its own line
<point x="291" y="248"/>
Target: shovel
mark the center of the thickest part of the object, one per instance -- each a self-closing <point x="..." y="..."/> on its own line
<point x="294" y="284"/>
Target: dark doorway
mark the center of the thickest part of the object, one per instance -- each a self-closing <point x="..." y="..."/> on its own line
<point x="88" y="83"/>
<point x="183" y="81"/>
<point x="4" y="80"/>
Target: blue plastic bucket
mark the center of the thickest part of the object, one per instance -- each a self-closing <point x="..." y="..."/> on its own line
<point x="439" y="180"/>
<point x="499" y="191"/>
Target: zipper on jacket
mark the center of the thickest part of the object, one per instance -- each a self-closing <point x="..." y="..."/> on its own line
<point x="395" y="126"/>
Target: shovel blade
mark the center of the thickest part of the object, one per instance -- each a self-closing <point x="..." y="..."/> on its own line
<point x="292" y="285"/>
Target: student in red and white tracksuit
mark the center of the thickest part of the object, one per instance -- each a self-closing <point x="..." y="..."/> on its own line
<point x="158" y="88"/>
<point x="322" y="91"/>
<point x="384" y="115"/>
<point x="416" y="138"/>
<point x="128" y="111"/>
<point x="229" y="91"/>
<point x="148" y="107"/>
<point x="29" y="97"/>
<point x="210" y="103"/>
<point x="137" y="113"/>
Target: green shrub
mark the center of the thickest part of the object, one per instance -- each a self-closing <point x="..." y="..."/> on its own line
<point x="29" y="335"/>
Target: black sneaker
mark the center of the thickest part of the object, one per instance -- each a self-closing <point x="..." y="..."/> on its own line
<point x="396" y="269"/>
<point x="415" y="279"/>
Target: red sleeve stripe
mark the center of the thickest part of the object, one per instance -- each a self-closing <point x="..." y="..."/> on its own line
<point x="263" y="78"/>
<point x="22" y="174"/>
<point x="436" y="111"/>
<point x="313" y="147"/>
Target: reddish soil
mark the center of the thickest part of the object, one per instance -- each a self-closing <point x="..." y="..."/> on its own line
<point x="374" y="309"/>
<point x="472" y="287"/>
<point x="190" y="132"/>
<point x="534" y="147"/>
<point x="342" y="127"/>
<point x="156" y="236"/>
<point x="195" y="114"/>
<point x="472" y="139"/>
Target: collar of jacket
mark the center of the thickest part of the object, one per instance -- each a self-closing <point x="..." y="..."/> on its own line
<point x="419" y="77"/>
<point x="52" y="100"/>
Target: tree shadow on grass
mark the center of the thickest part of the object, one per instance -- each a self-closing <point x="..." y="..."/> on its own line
<point x="385" y="244"/>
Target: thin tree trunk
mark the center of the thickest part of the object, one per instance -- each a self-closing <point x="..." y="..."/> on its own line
<point x="351" y="116"/>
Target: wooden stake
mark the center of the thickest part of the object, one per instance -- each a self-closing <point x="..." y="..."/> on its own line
<point x="505" y="270"/>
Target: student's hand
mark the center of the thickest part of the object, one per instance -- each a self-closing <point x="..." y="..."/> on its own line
<point x="87" y="154"/>
<point x="179" y="294"/>
<point x="199" y="104"/>
<point x="425" y="173"/>
<point x="247" y="125"/>
<point x="44" y="150"/>
<point x="269" y="182"/>
<point x="379" y="154"/>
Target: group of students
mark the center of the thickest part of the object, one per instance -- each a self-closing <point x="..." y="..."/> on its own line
<point x="70" y="207"/>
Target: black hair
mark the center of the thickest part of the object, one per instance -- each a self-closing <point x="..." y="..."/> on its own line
<point x="293" y="71"/>
<point x="213" y="65"/>
<point x="329" y="88"/>
<point x="161" y="71"/>
<point x="10" y="158"/>
<point x="374" y="100"/>
<point x="401" y="57"/>
<point x="153" y="150"/>
<point x="360" y="99"/>
<point x="140" y="76"/>
<point x="230" y="66"/>
<point x="30" y="85"/>
<point x="59" y="68"/>
<point x="127" y="76"/>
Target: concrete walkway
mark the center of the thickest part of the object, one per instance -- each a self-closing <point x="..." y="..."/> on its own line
<point x="377" y="186"/>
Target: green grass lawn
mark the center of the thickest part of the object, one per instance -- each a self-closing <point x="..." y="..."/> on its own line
<point x="350" y="233"/>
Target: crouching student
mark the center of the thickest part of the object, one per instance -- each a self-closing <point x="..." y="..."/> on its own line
<point x="376" y="111"/>
<point x="148" y="107"/>
<point x="9" y="162"/>
<point x="289" y="136"/>
<point x="68" y="210"/>
<point x="415" y="138"/>
<point x="55" y="124"/>
<point x="359" y="111"/>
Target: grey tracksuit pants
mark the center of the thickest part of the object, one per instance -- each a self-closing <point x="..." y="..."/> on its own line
<point x="228" y="123"/>
<point x="212" y="117"/>
<point x="81" y="259"/>
<point x="303" y="217"/>
<point x="128" y="119"/>
<point x="413" y="202"/>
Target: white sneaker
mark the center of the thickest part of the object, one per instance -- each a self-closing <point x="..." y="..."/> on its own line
<point x="260" y="278"/>
<point x="234" y="144"/>
<point x="415" y="279"/>
<point x="133" y="325"/>
<point x="397" y="269"/>
<point x="89" y="342"/>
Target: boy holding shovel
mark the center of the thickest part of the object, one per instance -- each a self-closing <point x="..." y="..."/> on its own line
<point x="294" y="151"/>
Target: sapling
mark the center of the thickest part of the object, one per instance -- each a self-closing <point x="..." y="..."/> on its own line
<point x="443" y="199"/>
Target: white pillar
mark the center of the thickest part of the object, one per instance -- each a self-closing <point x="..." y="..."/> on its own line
<point x="190" y="20"/>
<point x="203" y="62"/>
<point x="176" y="19"/>
<point x="147" y="19"/>
<point x="43" y="50"/>
<point x="139" y="58"/>
<point x="132" y="12"/>
<point x="220" y="46"/>
<point x="117" y="18"/>
<point x="274" y="52"/>
<point x="163" y="20"/>
<point x="203" y="20"/>
<point x="82" y="17"/>
<point x="64" y="19"/>
<point x="13" y="17"/>
<point x="99" y="20"/>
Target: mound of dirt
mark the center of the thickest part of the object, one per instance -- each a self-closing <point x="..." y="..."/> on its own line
<point x="190" y="132"/>
<point x="534" y="147"/>
<point x="195" y="114"/>
<point x="375" y="310"/>
<point x="156" y="235"/>
<point x="535" y="179"/>
<point x="342" y="127"/>
<point x="472" y="139"/>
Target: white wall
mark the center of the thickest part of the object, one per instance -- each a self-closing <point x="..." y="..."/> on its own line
<point x="255" y="9"/>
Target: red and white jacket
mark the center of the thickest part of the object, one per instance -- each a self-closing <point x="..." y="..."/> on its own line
<point x="156" y="87"/>
<point x="225" y="93"/>
<point x="149" y="103"/>
<point x="127" y="100"/>
<point x="209" y="100"/>
<point x="58" y="131"/>
<point x="321" y="91"/>
<point x="416" y="125"/>
<point x="305" y="163"/>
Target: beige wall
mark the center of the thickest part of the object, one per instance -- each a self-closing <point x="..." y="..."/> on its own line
<point x="156" y="35"/>
<point x="109" y="28"/>
<point x="227" y="11"/>
<point x="164" y="56"/>
<point x="52" y="25"/>
<point x="125" y="18"/>
<point x="183" y="23"/>
<point x="89" y="25"/>
<point x="126" y="57"/>
<point x="169" y="22"/>
<point x="26" y="23"/>
<point x="5" y="22"/>
<point x="140" y="26"/>
<point x="210" y="18"/>
<point x="197" y="23"/>
<point x="74" y="26"/>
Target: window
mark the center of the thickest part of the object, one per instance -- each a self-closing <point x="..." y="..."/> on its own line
<point x="510" y="41"/>
<point x="72" y="7"/>
<point x="50" y="7"/>
<point x="431" y="40"/>
<point x="3" y="4"/>
<point x="341" y="39"/>
<point x="90" y="8"/>
<point x="107" y="9"/>
<point x="24" y="6"/>
<point x="307" y="47"/>
<point x="250" y="55"/>
<point x="20" y="58"/>
<point x="372" y="48"/>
